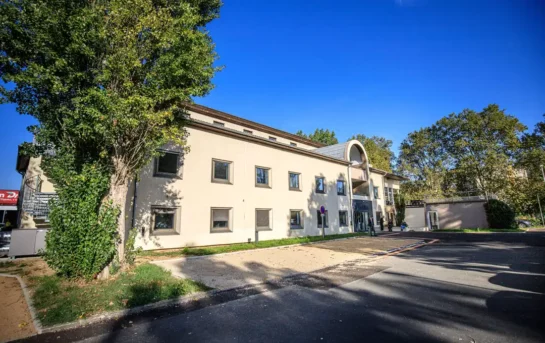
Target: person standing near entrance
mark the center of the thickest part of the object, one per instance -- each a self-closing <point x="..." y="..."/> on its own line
<point x="390" y="225"/>
<point x="371" y="227"/>
<point x="381" y="223"/>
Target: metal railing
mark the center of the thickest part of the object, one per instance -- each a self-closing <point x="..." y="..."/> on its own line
<point x="36" y="203"/>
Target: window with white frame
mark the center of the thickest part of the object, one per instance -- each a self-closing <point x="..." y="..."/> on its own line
<point x="167" y="164"/>
<point x="221" y="171"/>
<point x="262" y="177"/>
<point x="296" y="219"/>
<point x="376" y="192"/>
<point x="221" y="219"/>
<point x="263" y="219"/>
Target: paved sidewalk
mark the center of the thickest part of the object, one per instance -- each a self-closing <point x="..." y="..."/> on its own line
<point x="256" y="266"/>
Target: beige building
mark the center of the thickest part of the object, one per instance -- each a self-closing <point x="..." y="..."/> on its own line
<point x="242" y="181"/>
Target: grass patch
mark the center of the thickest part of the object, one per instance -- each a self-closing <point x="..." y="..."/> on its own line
<point x="58" y="300"/>
<point x="480" y="230"/>
<point x="220" y="249"/>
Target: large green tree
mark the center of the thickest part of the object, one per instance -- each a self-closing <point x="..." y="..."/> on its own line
<point x="106" y="79"/>
<point x="466" y="153"/>
<point x="379" y="151"/>
<point x="325" y="137"/>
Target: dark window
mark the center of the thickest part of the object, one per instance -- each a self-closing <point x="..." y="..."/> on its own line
<point x="295" y="219"/>
<point x="167" y="164"/>
<point x="261" y="176"/>
<point x="164" y="219"/>
<point x="262" y="218"/>
<point x="320" y="218"/>
<point x="341" y="189"/>
<point x="221" y="171"/>
<point x="294" y="181"/>
<point x="293" y="144"/>
<point x="218" y="123"/>
<point x="375" y="192"/>
<point x="221" y="218"/>
<point x="271" y="138"/>
<point x="248" y="132"/>
<point x="343" y="218"/>
<point x="320" y="185"/>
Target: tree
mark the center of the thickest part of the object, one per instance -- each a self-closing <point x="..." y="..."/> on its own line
<point x="379" y="151"/>
<point x="106" y="80"/>
<point x="325" y="137"/>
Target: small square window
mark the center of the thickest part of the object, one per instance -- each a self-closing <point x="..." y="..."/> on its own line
<point x="320" y="185"/>
<point x="221" y="171"/>
<point x="296" y="219"/>
<point x="294" y="181"/>
<point x="271" y="138"/>
<point x="293" y="144"/>
<point x="343" y="218"/>
<point x="167" y="164"/>
<point x="249" y="132"/>
<point x="320" y="219"/>
<point x="218" y="123"/>
<point x="341" y="187"/>
<point x="263" y="219"/>
<point x="163" y="220"/>
<point x="262" y="177"/>
<point x="220" y="220"/>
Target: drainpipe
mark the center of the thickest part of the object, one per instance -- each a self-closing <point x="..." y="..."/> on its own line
<point x="350" y="197"/>
<point x="134" y="196"/>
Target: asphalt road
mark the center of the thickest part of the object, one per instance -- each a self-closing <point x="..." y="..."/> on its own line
<point x="448" y="292"/>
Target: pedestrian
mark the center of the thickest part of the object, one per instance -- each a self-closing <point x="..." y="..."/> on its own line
<point x="381" y="223"/>
<point x="371" y="227"/>
<point x="390" y="225"/>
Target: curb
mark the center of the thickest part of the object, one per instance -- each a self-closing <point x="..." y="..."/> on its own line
<point x="32" y="310"/>
<point x="183" y="300"/>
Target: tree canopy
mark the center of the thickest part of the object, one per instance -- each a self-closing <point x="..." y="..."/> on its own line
<point x="462" y="154"/>
<point x="325" y="137"/>
<point x="107" y="79"/>
<point x="379" y="151"/>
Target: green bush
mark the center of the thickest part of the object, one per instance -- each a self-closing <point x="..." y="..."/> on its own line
<point x="499" y="215"/>
<point x="83" y="235"/>
<point x="399" y="201"/>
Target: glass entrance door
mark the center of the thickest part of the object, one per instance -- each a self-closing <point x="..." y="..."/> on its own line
<point x="361" y="220"/>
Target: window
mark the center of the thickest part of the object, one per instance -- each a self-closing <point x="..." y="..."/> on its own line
<point x="218" y="123"/>
<point x="221" y="171"/>
<point x="386" y="193"/>
<point x="167" y="164"/>
<point x="320" y="185"/>
<point x="294" y="181"/>
<point x="375" y="192"/>
<point x="220" y="220"/>
<point x="296" y="221"/>
<point x="247" y="132"/>
<point x="341" y="189"/>
<point x="262" y="177"/>
<point x="326" y="217"/>
<point x="343" y="218"/>
<point x="263" y="219"/>
<point x="271" y="138"/>
<point x="163" y="220"/>
<point x="293" y="144"/>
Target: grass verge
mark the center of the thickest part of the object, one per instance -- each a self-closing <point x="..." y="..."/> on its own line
<point x="220" y="249"/>
<point x="480" y="230"/>
<point x="58" y="300"/>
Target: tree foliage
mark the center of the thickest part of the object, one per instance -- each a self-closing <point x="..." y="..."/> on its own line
<point x="469" y="153"/>
<point x="325" y="137"/>
<point x="83" y="235"/>
<point x="400" y="205"/>
<point x="106" y="79"/>
<point x="379" y="151"/>
<point x="499" y="215"/>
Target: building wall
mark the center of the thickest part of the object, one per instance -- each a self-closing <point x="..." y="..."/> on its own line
<point x="36" y="179"/>
<point x="379" y="205"/>
<point x="237" y="127"/>
<point x="194" y="194"/>
<point x="415" y="217"/>
<point x="460" y="215"/>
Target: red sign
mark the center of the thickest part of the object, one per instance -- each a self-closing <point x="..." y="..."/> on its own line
<point x="8" y="197"/>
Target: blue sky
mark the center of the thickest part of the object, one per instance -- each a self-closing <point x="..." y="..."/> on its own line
<point x="383" y="67"/>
